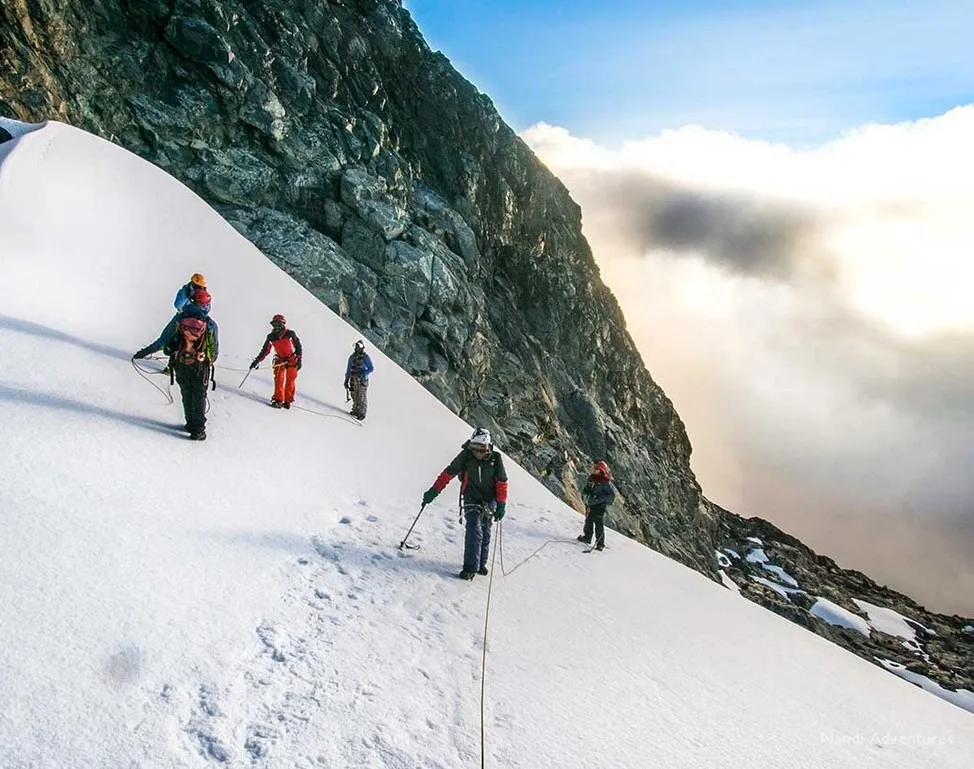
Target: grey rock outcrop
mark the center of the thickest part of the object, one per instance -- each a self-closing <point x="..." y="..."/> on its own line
<point x="795" y="577"/>
<point x="330" y="135"/>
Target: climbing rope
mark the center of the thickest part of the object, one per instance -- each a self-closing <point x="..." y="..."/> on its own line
<point x="144" y="373"/>
<point x="483" y="663"/>
<point x="343" y="417"/>
<point x="500" y="537"/>
<point x="498" y="546"/>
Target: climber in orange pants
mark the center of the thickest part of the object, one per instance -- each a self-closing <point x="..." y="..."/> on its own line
<point x="287" y="361"/>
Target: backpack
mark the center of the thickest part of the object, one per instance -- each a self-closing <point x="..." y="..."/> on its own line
<point x="358" y="363"/>
<point x="191" y="342"/>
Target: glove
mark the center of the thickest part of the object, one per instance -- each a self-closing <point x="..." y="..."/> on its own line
<point x="429" y="495"/>
<point x="254" y="364"/>
<point x="140" y="354"/>
<point x="500" y="510"/>
<point x="297" y="365"/>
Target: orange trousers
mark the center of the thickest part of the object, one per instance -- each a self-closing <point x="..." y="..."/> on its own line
<point x="285" y="379"/>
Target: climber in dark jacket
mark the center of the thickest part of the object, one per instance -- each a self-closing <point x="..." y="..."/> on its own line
<point x="598" y="494"/>
<point x="191" y="340"/>
<point x="483" y="493"/>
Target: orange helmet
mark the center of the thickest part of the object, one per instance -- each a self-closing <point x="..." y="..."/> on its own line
<point x="198" y="280"/>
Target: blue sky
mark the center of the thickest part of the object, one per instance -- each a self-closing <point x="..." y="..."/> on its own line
<point x="798" y="72"/>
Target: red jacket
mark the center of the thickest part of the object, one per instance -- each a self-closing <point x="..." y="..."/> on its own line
<point x="287" y="347"/>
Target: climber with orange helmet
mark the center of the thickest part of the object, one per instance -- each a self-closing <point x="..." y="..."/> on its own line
<point x="185" y="293"/>
<point x="287" y="361"/>
<point x="598" y="494"/>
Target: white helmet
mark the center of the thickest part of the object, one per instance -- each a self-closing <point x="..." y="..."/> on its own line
<point x="480" y="436"/>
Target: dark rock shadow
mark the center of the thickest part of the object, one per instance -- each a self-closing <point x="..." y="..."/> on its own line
<point x="45" y="332"/>
<point x="59" y="402"/>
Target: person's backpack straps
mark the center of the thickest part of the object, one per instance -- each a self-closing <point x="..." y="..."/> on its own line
<point x="191" y="345"/>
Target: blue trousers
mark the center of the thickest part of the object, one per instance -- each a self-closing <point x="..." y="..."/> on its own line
<point x="476" y="543"/>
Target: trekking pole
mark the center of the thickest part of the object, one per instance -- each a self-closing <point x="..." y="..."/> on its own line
<point x="245" y="378"/>
<point x="403" y="543"/>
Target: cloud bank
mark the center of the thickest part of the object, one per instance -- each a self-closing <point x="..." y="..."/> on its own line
<point x="810" y="314"/>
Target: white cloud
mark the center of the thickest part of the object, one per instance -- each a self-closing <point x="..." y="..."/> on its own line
<point x="892" y="202"/>
<point x="809" y="311"/>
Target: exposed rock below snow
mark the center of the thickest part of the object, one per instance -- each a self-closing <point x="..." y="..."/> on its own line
<point x="850" y="609"/>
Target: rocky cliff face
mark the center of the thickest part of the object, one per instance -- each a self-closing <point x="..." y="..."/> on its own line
<point x="362" y="163"/>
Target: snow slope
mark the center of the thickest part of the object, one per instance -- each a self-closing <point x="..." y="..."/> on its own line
<point x="242" y="601"/>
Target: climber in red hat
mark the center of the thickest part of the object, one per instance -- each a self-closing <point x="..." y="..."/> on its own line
<point x="598" y="494"/>
<point x="287" y="361"/>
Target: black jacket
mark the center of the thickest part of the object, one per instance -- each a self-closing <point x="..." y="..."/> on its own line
<point x="481" y="480"/>
<point x="598" y="493"/>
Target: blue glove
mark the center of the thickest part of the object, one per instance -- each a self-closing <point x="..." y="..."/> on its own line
<point x="429" y="495"/>
<point x="500" y="510"/>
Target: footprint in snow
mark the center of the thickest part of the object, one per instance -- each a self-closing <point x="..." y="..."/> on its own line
<point x="345" y="519"/>
<point x="272" y="641"/>
<point x="212" y="747"/>
<point x="325" y="550"/>
<point x="208" y="701"/>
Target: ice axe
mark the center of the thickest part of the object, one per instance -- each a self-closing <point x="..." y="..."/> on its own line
<point x="403" y="543"/>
